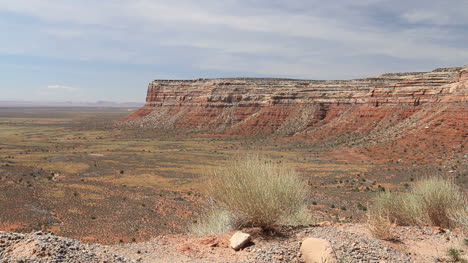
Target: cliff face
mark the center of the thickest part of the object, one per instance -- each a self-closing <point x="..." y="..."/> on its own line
<point x="426" y="105"/>
<point x="385" y="89"/>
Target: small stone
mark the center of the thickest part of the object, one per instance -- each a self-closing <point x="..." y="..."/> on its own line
<point x="325" y="223"/>
<point x="239" y="240"/>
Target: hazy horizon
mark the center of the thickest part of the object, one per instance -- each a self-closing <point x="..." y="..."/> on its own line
<point x="82" y="50"/>
<point x="58" y="103"/>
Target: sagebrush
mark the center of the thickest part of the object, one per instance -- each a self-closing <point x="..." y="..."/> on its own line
<point x="259" y="192"/>
<point x="433" y="201"/>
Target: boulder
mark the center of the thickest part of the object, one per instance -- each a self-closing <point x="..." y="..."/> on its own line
<point x="239" y="240"/>
<point x="316" y="250"/>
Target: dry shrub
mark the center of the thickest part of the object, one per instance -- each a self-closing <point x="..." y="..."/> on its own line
<point x="456" y="255"/>
<point x="215" y="222"/>
<point x="439" y="200"/>
<point x="399" y="209"/>
<point x="380" y="226"/>
<point x="301" y="218"/>
<point x="258" y="192"/>
<point x="460" y="219"/>
<point x="433" y="201"/>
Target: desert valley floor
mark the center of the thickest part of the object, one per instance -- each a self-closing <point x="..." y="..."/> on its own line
<point x="74" y="172"/>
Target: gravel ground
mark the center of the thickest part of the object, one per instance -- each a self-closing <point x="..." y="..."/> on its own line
<point x="45" y="247"/>
<point x="352" y="247"/>
<point x="348" y="246"/>
<point x="351" y="243"/>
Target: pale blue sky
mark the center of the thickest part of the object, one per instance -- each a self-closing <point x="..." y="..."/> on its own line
<point x="88" y="50"/>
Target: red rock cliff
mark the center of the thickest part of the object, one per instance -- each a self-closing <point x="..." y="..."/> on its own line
<point x="423" y="107"/>
<point x="272" y="105"/>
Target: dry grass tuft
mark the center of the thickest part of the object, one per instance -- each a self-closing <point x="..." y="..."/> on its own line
<point x="381" y="226"/>
<point x="439" y="200"/>
<point x="258" y="192"/>
<point x="397" y="208"/>
<point x="433" y="201"/>
<point x="456" y="255"/>
<point x="460" y="219"/>
<point x="215" y="222"/>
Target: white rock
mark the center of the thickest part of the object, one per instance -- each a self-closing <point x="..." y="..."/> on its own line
<point x="239" y="240"/>
<point x="316" y="250"/>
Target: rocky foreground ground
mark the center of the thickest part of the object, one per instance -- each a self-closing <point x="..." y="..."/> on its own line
<point x="350" y="242"/>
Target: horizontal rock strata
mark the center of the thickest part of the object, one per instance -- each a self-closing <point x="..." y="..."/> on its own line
<point x="293" y="107"/>
<point x="394" y="113"/>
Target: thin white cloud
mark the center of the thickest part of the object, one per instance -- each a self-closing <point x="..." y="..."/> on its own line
<point x="62" y="87"/>
<point x="439" y="13"/>
<point x="261" y="36"/>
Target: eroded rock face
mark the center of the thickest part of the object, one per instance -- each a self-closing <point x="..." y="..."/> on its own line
<point x="389" y="104"/>
<point x="232" y="105"/>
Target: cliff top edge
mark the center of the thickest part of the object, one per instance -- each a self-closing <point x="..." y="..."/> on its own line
<point x="382" y="76"/>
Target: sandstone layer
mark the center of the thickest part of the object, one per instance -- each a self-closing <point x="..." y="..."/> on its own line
<point x="428" y="105"/>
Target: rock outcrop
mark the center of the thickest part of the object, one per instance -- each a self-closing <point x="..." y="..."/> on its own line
<point x="383" y="107"/>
